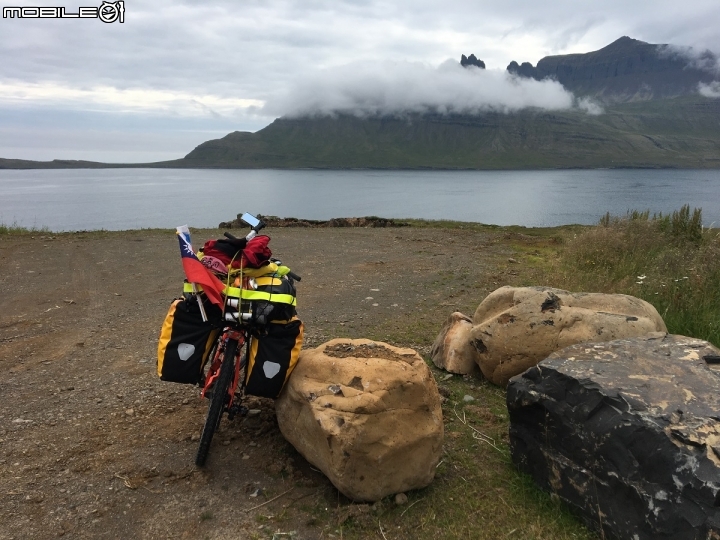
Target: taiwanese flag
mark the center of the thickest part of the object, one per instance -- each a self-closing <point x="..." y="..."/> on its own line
<point x="196" y="272"/>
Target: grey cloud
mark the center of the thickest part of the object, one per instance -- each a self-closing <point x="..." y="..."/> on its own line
<point x="389" y="88"/>
<point x="711" y="90"/>
<point x="704" y="60"/>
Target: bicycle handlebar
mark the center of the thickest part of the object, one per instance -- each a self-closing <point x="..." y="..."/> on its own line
<point x="242" y="242"/>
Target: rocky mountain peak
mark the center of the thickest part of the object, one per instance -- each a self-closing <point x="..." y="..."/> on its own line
<point x="471" y="60"/>
<point x="625" y="70"/>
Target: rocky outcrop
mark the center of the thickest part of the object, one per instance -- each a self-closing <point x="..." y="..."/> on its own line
<point x="627" y="433"/>
<point x="274" y="221"/>
<point x="472" y="60"/>
<point x="526" y="69"/>
<point x="625" y="70"/>
<point x="514" y="328"/>
<point x="453" y="350"/>
<point x="366" y="414"/>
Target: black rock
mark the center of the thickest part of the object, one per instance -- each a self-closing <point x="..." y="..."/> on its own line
<point x="524" y="70"/>
<point x="627" y="433"/>
<point x="471" y="60"/>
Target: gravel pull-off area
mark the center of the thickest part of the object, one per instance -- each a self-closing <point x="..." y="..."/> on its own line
<point x="94" y="445"/>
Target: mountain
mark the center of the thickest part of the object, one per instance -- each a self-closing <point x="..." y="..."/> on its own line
<point x="682" y="132"/>
<point x="625" y="70"/>
<point x="653" y="116"/>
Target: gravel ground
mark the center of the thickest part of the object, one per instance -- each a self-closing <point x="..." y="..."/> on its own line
<point x="94" y="445"/>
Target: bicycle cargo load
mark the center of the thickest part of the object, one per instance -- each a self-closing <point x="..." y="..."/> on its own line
<point x="272" y="358"/>
<point x="185" y="340"/>
<point x="264" y="299"/>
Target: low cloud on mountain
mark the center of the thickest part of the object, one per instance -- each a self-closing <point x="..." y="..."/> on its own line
<point x="702" y="59"/>
<point x="392" y="88"/>
<point x="711" y="90"/>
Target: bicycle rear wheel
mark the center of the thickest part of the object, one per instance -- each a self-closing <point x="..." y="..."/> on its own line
<point x="217" y="401"/>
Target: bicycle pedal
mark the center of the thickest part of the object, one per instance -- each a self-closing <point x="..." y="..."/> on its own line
<point x="236" y="410"/>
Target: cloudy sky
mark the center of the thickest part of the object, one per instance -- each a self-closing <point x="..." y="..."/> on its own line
<point x="177" y="73"/>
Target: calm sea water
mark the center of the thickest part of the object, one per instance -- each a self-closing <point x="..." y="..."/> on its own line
<point x="117" y="199"/>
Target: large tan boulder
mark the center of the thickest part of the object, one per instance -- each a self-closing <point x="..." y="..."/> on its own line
<point x="453" y="350"/>
<point x="516" y="327"/>
<point x="366" y="414"/>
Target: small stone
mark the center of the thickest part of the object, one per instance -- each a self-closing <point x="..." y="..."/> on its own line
<point x="130" y="412"/>
<point x="185" y="401"/>
<point x="511" y="260"/>
<point x="254" y="412"/>
<point x="245" y="456"/>
<point x="467" y="398"/>
<point x="401" y="499"/>
<point x="194" y="437"/>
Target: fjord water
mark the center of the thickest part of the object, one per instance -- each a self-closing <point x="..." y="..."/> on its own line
<point x="119" y="199"/>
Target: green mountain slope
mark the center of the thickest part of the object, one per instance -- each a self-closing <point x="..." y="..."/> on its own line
<point x="682" y="132"/>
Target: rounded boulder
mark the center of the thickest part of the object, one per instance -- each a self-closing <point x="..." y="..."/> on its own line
<point x="517" y="327"/>
<point x="366" y="414"/>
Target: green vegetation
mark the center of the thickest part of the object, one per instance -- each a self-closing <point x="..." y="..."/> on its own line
<point x="669" y="260"/>
<point x="17" y="229"/>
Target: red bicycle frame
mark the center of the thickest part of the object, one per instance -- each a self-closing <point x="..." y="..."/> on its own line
<point x="219" y="358"/>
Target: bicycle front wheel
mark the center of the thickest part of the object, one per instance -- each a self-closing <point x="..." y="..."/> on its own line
<point x="217" y="402"/>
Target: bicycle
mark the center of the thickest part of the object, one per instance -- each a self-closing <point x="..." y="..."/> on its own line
<point x="246" y="314"/>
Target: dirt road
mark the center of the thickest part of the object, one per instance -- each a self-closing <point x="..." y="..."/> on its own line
<point x="94" y="445"/>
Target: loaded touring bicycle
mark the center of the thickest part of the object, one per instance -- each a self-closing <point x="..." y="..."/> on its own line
<point x="235" y="331"/>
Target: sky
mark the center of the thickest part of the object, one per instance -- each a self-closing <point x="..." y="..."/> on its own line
<point x="175" y="73"/>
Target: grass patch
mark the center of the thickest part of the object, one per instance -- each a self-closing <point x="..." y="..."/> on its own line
<point x="16" y="229"/>
<point x="670" y="261"/>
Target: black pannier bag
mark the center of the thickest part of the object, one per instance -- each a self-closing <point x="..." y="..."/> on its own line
<point x="272" y="357"/>
<point x="186" y="340"/>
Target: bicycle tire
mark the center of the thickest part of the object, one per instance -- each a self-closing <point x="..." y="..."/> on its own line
<point x="217" y="402"/>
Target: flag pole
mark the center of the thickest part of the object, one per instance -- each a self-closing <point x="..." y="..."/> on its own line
<point x="183" y="229"/>
<point x="200" y="304"/>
